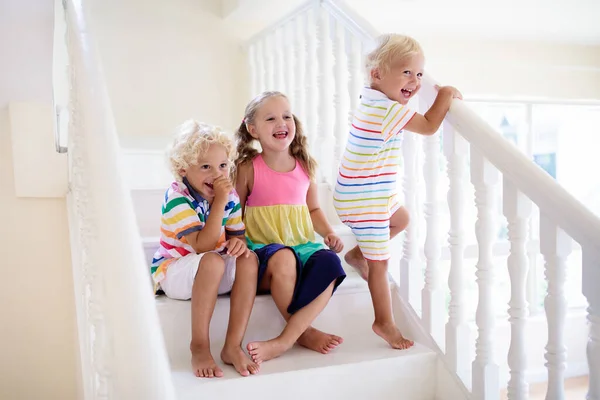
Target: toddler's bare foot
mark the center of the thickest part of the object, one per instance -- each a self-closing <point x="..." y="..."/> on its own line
<point x="391" y="334"/>
<point x="235" y="356"/>
<point x="319" y="341"/>
<point x="355" y="259"/>
<point x="264" y="351"/>
<point x="203" y="364"/>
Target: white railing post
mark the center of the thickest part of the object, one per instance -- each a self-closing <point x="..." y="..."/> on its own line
<point x="484" y="177"/>
<point x="253" y="70"/>
<point x="409" y="263"/>
<point x="300" y="74"/>
<point x="312" y="65"/>
<point x="458" y="333"/>
<point x="261" y="83"/>
<point x="555" y="246"/>
<point x="356" y="80"/>
<point x="517" y="209"/>
<point x="326" y="110"/>
<point x="269" y="50"/>
<point x="432" y="297"/>
<point x="341" y="97"/>
<point x="288" y="33"/>
<point x="280" y="80"/>
<point x="591" y="277"/>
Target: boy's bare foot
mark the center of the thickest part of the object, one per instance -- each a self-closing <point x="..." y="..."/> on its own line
<point x="318" y="341"/>
<point x="391" y="334"/>
<point x="203" y="364"/>
<point x="235" y="356"/>
<point x="264" y="351"/>
<point x="355" y="259"/>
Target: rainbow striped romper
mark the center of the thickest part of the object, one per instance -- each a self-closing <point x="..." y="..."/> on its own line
<point x="365" y="192"/>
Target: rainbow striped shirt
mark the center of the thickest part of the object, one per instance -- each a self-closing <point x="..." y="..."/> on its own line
<point x="185" y="211"/>
<point x="365" y="192"/>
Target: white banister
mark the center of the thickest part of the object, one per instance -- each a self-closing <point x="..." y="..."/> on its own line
<point x="517" y="209"/>
<point x="591" y="277"/>
<point x="325" y="84"/>
<point x="457" y="328"/>
<point x="252" y="62"/>
<point x="121" y="345"/>
<point x="555" y="246"/>
<point x="485" y="371"/>
<point x="433" y="296"/>
<point x="340" y="97"/>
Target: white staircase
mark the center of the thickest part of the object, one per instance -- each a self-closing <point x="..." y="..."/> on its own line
<point x="126" y="355"/>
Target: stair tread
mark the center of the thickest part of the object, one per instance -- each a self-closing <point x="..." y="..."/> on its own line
<point x="349" y="315"/>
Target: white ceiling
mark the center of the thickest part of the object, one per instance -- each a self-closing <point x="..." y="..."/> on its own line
<point x="572" y="21"/>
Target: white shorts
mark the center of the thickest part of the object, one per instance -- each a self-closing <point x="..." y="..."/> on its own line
<point x="181" y="273"/>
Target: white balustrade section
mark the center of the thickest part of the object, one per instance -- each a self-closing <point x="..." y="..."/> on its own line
<point x="289" y="63"/>
<point x="555" y="246"/>
<point x="278" y="49"/>
<point x="252" y="62"/>
<point x="517" y="209"/>
<point x="458" y="333"/>
<point x="328" y="74"/>
<point x="484" y="177"/>
<point x="120" y="341"/>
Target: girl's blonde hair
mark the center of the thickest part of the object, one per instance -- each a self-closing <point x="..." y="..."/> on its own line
<point x="191" y="143"/>
<point x="390" y="48"/>
<point x="298" y="147"/>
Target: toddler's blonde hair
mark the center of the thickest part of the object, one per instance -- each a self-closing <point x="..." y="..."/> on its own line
<point x="390" y="48"/>
<point x="191" y="143"/>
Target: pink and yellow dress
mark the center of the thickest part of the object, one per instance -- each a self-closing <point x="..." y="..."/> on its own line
<point x="277" y="217"/>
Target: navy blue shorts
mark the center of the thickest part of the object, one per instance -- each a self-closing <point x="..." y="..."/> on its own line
<point x="312" y="278"/>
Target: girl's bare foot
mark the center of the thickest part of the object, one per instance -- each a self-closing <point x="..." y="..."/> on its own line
<point x="391" y="334"/>
<point x="355" y="259"/>
<point x="235" y="356"/>
<point x="264" y="351"/>
<point x="318" y="341"/>
<point x="203" y="364"/>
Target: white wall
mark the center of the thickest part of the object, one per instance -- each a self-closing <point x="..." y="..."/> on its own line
<point x="38" y="338"/>
<point x="166" y="61"/>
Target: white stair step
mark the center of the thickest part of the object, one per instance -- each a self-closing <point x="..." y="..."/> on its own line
<point x="364" y="366"/>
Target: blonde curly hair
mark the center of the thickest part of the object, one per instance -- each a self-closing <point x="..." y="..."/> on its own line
<point x="390" y="47"/>
<point x="191" y="143"/>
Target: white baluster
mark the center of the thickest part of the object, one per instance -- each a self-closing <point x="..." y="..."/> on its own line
<point x="261" y="68"/>
<point x="312" y="105"/>
<point x="555" y="246"/>
<point x="289" y="62"/>
<point x="432" y="296"/>
<point x="279" y="68"/>
<point x="356" y="81"/>
<point x="269" y="50"/>
<point x="341" y="97"/>
<point x="591" y="277"/>
<point x="458" y="334"/>
<point x="326" y="110"/>
<point x="408" y="264"/>
<point x="253" y="70"/>
<point x="300" y="73"/>
<point x="517" y="209"/>
<point x="485" y="372"/>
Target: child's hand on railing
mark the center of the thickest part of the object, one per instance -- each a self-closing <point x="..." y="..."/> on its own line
<point x="452" y="91"/>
